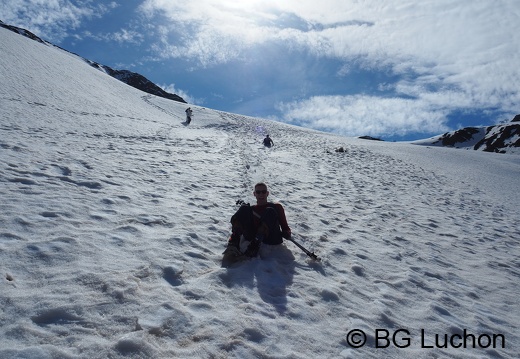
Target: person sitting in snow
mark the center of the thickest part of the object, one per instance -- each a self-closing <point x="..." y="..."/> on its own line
<point x="264" y="223"/>
<point x="189" y="112"/>
<point x="268" y="142"/>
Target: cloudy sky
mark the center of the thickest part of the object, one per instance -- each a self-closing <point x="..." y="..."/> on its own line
<point x="394" y="69"/>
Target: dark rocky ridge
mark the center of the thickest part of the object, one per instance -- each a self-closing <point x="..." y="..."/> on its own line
<point x="501" y="138"/>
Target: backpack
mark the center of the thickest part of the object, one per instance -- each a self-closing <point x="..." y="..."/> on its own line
<point x="244" y="220"/>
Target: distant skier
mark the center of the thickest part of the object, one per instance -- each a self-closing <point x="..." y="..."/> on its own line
<point x="268" y="142"/>
<point x="189" y="112"/>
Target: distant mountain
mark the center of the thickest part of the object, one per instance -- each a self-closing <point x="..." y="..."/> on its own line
<point x="502" y="138"/>
<point x="136" y="80"/>
<point x="130" y="78"/>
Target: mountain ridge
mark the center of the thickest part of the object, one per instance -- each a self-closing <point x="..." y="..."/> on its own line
<point x="501" y="138"/>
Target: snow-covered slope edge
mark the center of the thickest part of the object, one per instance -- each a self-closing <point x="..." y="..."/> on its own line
<point x="130" y="78"/>
<point x="115" y="214"/>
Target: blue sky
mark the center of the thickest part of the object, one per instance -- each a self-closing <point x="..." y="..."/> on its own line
<point x="394" y="69"/>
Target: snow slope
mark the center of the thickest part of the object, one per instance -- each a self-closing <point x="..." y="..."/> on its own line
<point x="115" y="214"/>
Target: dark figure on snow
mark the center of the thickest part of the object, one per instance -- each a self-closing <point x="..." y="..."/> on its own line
<point x="268" y="142"/>
<point x="261" y="224"/>
<point x="189" y="112"/>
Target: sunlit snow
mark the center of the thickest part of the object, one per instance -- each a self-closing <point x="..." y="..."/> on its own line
<point x="114" y="215"/>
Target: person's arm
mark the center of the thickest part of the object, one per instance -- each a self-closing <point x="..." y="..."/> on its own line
<point x="286" y="230"/>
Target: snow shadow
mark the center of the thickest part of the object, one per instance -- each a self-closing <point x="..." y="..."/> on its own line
<point x="271" y="273"/>
<point x="274" y="274"/>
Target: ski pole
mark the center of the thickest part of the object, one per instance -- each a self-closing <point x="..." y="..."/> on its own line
<point x="307" y="252"/>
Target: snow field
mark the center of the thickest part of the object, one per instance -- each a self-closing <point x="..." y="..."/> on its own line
<point x="115" y="215"/>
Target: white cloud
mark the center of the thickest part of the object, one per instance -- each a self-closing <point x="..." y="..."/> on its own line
<point x="171" y="88"/>
<point x="424" y="30"/>
<point x="52" y="19"/>
<point x="208" y="31"/>
<point x="121" y="36"/>
<point x="126" y="36"/>
<point x="366" y="115"/>
<point x="469" y="45"/>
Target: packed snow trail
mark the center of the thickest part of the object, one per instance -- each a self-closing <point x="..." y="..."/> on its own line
<point x="115" y="215"/>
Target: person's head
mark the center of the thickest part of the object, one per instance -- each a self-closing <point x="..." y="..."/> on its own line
<point x="261" y="193"/>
